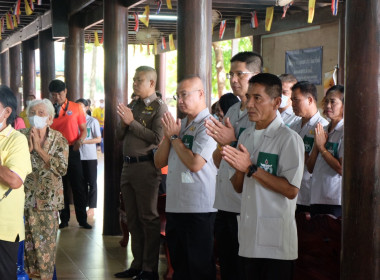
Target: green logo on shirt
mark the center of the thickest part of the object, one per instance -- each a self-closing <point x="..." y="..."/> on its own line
<point x="88" y="132"/>
<point x="332" y="148"/>
<point x="308" y="142"/>
<point x="188" y="141"/>
<point x="268" y="162"/>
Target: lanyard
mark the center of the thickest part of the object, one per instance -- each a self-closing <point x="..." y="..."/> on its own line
<point x="6" y="194"/>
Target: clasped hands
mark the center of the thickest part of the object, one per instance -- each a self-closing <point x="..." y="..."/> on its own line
<point x="125" y="114"/>
<point x="222" y="134"/>
<point x="170" y="125"/>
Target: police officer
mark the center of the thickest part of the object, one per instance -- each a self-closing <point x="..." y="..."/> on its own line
<point x="141" y="131"/>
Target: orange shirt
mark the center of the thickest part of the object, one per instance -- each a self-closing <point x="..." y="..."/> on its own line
<point x="71" y="116"/>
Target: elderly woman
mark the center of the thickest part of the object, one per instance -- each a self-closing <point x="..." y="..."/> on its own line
<point x="325" y="161"/>
<point x="43" y="189"/>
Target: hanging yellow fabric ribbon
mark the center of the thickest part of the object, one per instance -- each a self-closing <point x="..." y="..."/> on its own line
<point x="28" y="10"/>
<point x="238" y="27"/>
<point x="141" y="48"/>
<point x="96" y="39"/>
<point x="15" y="21"/>
<point x="269" y="18"/>
<point x="155" y="46"/>
<point x="311" y="11"/>
<point x="169" y="4"/>
<point x="145" y="17"/>
<point x="171" y="43"/>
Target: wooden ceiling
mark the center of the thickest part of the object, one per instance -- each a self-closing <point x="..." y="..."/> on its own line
<point x="160" y="24"/>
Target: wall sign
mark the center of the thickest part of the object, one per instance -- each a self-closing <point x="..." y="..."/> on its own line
<point x="305" y="64"/>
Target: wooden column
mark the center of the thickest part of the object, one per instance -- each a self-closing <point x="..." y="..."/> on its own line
<point x="28" y="69"/>
<point x="256" y="44"/>
<point x="160" y="65"/>
<point x="116" y="89"/>
<point x="194" y="41"/>
<point x="47" y="61"/>
<point x="15" y="73"/>
<point x="341" y="49"/>
<point x="5" y="76"/>
<point x="361" y="172"/>
<point x="74" y="59"/>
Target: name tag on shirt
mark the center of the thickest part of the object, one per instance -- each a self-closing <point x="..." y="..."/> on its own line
<point x="188" y="141"/>
<point x="268" y="162"/>
<point x="308" y="142"/>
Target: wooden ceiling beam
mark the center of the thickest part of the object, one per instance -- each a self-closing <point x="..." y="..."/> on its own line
<point x="78" y="5"/>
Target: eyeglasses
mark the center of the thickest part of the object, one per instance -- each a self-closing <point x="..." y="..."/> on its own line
<point x="239" y="74"/>
<point x="183" y="94"/>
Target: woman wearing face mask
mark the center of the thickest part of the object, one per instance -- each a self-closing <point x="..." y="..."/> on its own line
<point x="43" y="189"/>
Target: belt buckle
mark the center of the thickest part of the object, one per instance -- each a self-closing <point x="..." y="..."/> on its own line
<point x="127" y="159"/>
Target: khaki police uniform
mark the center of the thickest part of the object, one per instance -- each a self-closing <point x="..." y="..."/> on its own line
<point x="140" y="180"/>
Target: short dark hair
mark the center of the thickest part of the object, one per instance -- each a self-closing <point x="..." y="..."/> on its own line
<point x="57" y="86"/>
<point x="83" y="101"/>
<point x="189" y="77"/>
<point x="253" y="61"/>
<point x="272" y="83"/>
<point x="8" y="99"/>
<point x="226" y="101"/>
<point x="336" y="88"/>
<point x="288" y="78"/>
<point x="306" y="88"/>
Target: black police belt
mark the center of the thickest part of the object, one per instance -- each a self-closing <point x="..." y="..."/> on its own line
<point x="128" y="159"/>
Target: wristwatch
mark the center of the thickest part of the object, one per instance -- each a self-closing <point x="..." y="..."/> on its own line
<point x="252" y="169"/>
<point x="173" y="137"/>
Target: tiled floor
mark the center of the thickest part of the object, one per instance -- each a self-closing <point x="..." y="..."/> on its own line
<point x="87" y="254"/>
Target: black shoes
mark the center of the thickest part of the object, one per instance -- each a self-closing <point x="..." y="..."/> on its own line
<point x="129" y="273"/>
<point x="63" y="225"/>
<point x="85" y="225"/>
<point x="146" y="275"/>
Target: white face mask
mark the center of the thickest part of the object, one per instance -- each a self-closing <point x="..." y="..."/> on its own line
<point x="38" y="122"/>
<point x="2" y="123"/>
<point x="101" y="105"/>
<point x="284" y="101"/>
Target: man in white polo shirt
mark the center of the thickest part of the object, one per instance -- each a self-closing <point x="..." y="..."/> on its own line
<point x="269" y="167"/>
<point x="286" y="109"/>
<point x="190" y="185"/>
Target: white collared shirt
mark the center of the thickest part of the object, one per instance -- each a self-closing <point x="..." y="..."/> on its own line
<point x="226" y="198"/>
<point x="326" y="183"/>
<point x="267" y="226"/>
<point x="307" y="134"/>
<point x="289" y="117"/>
<point x="192" y="192"/>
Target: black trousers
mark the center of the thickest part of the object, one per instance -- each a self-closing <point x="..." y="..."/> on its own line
<point x="302" y="208"/>
<point x="190" y="239"/>
<point x="90" y="174"/>
<point x="335" y="210"/>
<point x="227" y="245"/>
<point x="74" y="179"/>
<point x="8" y="260"/>
<point x="267" y="269"/>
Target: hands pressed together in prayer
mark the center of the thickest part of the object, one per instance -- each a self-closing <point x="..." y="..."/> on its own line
<point x="240" y="159"/>
<point x="125" y="114"/>
<point x="171" y="126"/>
<point x="320" y="137"/>
<point x="34" y="140"/>
<point x="222" y="134"/>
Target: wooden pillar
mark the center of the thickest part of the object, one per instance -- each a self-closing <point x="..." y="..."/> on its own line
<point x="341" y="49"/>
<point x="74" y="59"/>
<point x="361" y="185"/>
<point x="5" y="77"/>
<point x="28" y="69"/>
<point x="160" y="65"/>
<point x="47" y="61"/>
<point x="15" y="73"/>
<point x="256" y="44"/>
<point x="116" y="90"/>
<point x="194" y="41"/>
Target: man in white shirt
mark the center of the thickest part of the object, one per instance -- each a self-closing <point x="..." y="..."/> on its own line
<point x="244" y="65"/>
<point x="286" y="109"/>
<point x="269" y="167"/>
<point x="190" y="184"/>
<point x="304" y="98"/>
